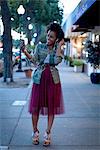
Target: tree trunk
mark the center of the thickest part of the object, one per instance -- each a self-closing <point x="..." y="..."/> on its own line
<point x="7" y="41"/>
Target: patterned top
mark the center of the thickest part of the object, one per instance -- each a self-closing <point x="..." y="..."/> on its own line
<point x="44" y="56"/>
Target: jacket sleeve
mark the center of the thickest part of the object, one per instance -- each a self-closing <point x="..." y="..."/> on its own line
<point x="54" y="59"/>
<point x="35" y="56"/>
<point x="57" y="59"/>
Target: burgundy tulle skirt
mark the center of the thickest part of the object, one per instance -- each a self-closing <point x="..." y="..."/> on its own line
<point x="46" y="97"/>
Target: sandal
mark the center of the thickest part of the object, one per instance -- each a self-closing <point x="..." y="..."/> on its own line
<point x="47" y="139"/>
<point x="35" y="138"/>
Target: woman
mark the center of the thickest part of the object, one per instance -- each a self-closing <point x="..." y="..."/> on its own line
<point x="46" y="96"/>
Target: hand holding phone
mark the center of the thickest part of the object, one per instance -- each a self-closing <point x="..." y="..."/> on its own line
<point x="60" y="51"/>
<point x="22" y="45"/>
<point x="60" y="43"/>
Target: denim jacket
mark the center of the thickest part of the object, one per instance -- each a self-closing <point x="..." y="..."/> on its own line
<point x="40" y="53"/>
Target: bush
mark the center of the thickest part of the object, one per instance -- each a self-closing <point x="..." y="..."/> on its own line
<point x="78" y="62"/>
<point x="93" y="50"/>
<point x="70" y="60"/>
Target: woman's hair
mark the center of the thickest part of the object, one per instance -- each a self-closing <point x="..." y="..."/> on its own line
<point x="56" y="28"/>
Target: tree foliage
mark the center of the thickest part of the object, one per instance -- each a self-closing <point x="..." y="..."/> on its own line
<point x="41" y="13"/>
<point x="93" y="50"/>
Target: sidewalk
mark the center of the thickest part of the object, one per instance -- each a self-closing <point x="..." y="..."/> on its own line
<point x="77" y="129"/>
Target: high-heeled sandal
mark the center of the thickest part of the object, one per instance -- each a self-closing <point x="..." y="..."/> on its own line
<point x="35" y="138"/>
<point x="47" y="139"/>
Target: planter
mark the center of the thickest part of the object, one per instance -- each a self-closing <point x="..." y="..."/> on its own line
<point x="70" y="61"/>
<point x="78" y="68"/>
<point x="78" y="65"/>
<point x="28" y="73"/>
<point x="95" y="78"/>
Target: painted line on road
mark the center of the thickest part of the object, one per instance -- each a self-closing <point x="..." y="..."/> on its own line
<point x="19" y="103"/>
<point x="4" y="147"/>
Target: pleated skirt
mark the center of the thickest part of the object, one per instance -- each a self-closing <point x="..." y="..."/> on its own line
<point x="46" y="98"/>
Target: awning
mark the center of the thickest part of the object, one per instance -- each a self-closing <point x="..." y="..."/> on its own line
<point x="80" y="28"/>
<point x="87" y="14"/>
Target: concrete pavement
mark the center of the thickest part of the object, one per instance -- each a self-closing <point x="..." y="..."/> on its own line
<point x="77" y="129"/>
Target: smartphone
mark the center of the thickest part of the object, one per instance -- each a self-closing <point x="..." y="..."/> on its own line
<point x="60" y="36"/>
<point x="22" y="45"/>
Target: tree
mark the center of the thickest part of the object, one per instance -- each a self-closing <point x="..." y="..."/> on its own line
<point x="93" y="58"/>
<point x="93" y="50"/>
<point x="7" y="41"/>
<point x="41" y="13"/>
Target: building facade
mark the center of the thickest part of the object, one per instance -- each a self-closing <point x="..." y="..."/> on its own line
<point x="83" y="24"/>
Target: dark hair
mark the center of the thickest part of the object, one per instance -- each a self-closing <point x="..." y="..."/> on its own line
<point x="56" y="28"/>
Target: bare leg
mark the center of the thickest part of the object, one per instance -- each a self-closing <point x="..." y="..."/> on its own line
<point x="35" y="136"/>
<point x="35" y="119"/>
<point x="50" y="122"/>
<point x="47" y="137"/>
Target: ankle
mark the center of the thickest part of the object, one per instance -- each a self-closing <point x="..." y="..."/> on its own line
<point x="47" y="138"/>
<point x="48" y="131"/>
<point x="36" y="130"/>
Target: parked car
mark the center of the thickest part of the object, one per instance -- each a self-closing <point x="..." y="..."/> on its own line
<point x="17" y="55"/>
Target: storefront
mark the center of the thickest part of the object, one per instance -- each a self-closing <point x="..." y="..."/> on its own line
<point x="86" y="15"/>
<point x="84" y="20"/>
